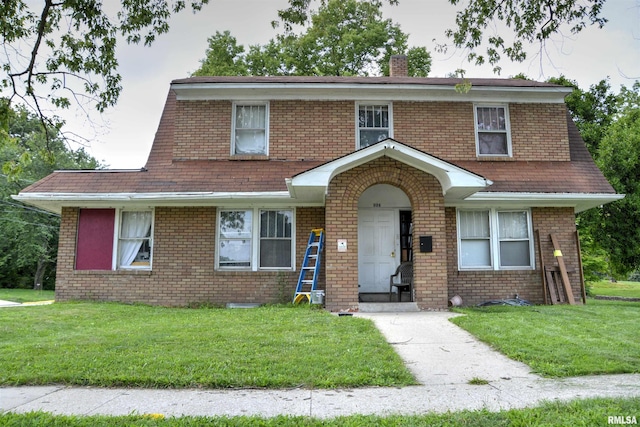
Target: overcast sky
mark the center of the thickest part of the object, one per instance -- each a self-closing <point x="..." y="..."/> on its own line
<point x="122" y="137"/>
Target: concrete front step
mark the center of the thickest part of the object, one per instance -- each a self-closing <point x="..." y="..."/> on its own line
<point x="388" y="307"/>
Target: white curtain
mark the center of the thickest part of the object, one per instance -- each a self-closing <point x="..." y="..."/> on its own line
<point x="135" y="227"/>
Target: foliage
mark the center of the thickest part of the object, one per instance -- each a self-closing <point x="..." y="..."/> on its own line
<point x="619" y="160"/>
<point x="582" y="412"/>
<point x="609" y="124"/>
<point x="142" y="346"/>
<point x="520" y="21"/>
<point x="344" y="38"/>
<point x="561" y="340"/>
<point x="25" y="295"/>
<point x="29" y="236"/>
<point x="58" y="52"/>
<point x="526" y="21"/>
<point x="592" y="111"/>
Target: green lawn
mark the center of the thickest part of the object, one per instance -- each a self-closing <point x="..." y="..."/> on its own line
<point x="618" y="289"/>
<point x="141" y="346"/>
<point x="600" y="337"/>
<point x="25" y="295"/>
<point x="590" y="412"/>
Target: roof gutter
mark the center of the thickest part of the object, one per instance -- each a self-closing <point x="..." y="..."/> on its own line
<point x="55" y="201"/>
<point x="579" y="201"/>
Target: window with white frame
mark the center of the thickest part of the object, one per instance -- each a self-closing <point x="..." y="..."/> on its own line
<point x="492" y="130"/>
<point x="374" y="124"/>
<point x="275" y="239"/>
<point x="250" y="129"/>
<point x="252" y="239"/>
<point x="134" y="239"/>
<point x="235" y="239"/>
<point x="475" y="239"/>
<point x="514" y="239"/>
<point x="494" y="239"/>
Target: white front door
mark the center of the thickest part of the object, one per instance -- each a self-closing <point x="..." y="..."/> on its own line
<point x="378" y="252"/>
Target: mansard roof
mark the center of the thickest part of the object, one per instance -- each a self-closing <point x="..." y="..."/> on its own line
<point x="166" y="181"/>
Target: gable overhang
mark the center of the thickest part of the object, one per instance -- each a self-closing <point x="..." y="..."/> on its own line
<point x="457" y="183"/>
<point x="578" y="201"/>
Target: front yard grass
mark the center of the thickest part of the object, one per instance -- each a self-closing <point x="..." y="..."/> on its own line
<point x="588" y="412"/>
<point x="109" y="345"/>
<point x="600" y="337"/>
<point x="617" y="289"/>
<point x="25" y="295"/>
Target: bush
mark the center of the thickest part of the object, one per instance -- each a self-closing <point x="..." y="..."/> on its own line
<point x="634" y="277"/>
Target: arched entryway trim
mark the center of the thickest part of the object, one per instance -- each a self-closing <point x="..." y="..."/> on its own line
<point x="456" y="183"/>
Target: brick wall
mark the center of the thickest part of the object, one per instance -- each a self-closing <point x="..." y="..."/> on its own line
<point x="478" y="286"/>
<point x="314" y="130"/>
<point x="425" y="193"/>
<point x="183" y="265"/>
<point x="183" y="260"/>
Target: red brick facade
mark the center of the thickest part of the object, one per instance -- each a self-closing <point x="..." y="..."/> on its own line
<point x="195" y="136"/>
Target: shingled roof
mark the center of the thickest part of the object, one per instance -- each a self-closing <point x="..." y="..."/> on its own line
<point x="163" y="174"/>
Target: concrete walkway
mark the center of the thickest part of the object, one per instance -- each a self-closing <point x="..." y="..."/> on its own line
<point x="443" y="357"/>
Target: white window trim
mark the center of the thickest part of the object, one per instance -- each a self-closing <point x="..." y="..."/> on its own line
<point x="233" y="126"/>
<point x="255" y="239"/>
<point x="494" y="245"/>
<point x="116" y="240"/>
<point x="507" y="129"/>
<point x="357" y="118"/>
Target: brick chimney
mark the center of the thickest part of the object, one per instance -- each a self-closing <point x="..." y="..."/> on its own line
<point x="398" y="66"/>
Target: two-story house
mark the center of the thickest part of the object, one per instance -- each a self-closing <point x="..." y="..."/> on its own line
<point x="243" y="168"/>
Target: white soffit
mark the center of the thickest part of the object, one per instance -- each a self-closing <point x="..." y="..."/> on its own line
<point x="54" y="202"/>
<point x="365" y="92"/>
<point x="579" y="201"/>
<point x="457" y="183"/>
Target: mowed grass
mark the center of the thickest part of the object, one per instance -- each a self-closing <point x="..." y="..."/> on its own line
<point x="617" y="289"/>
<point x="25" y="295"/>
<point x="112" y="344"/>
<point x="588" y="412"/>
<point x="601" y="337"/>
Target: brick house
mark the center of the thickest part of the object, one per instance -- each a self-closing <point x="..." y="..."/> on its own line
<point x="242" y="168"/>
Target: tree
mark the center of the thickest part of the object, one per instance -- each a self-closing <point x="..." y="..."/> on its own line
<point x="529" y="21"/>
<point x="29" y="236"/>
<point x="608" y="123"/>
<point x="59" y="51"/>
<point x="592" y="111"/>
<point x="344" y="38"/>
<point x="619" y="159"/>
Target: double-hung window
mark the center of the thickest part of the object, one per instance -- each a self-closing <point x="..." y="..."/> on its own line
<point x="374" y="123"/>
<point x="250" y="129"/>
<point x="252" y="239"/>
<point x="494" y="239"/>
<point x="134" y="239"/>
<point x="493" y="135"/>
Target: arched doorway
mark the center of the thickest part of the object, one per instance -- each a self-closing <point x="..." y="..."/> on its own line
<point x="384" y="239"/>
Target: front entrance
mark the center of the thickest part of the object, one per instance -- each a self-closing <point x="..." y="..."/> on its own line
<point x="378" y="249"/>
<point x="384" y="239"/>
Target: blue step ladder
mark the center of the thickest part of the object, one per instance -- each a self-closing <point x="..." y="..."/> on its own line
<point x="310" y="269"/>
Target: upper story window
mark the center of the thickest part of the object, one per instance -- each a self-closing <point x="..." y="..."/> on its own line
<point x="250" y="128"/>
<point x="374" y="124"/>
<point x="493" y="136"/>
<point x="492" y="239"/>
